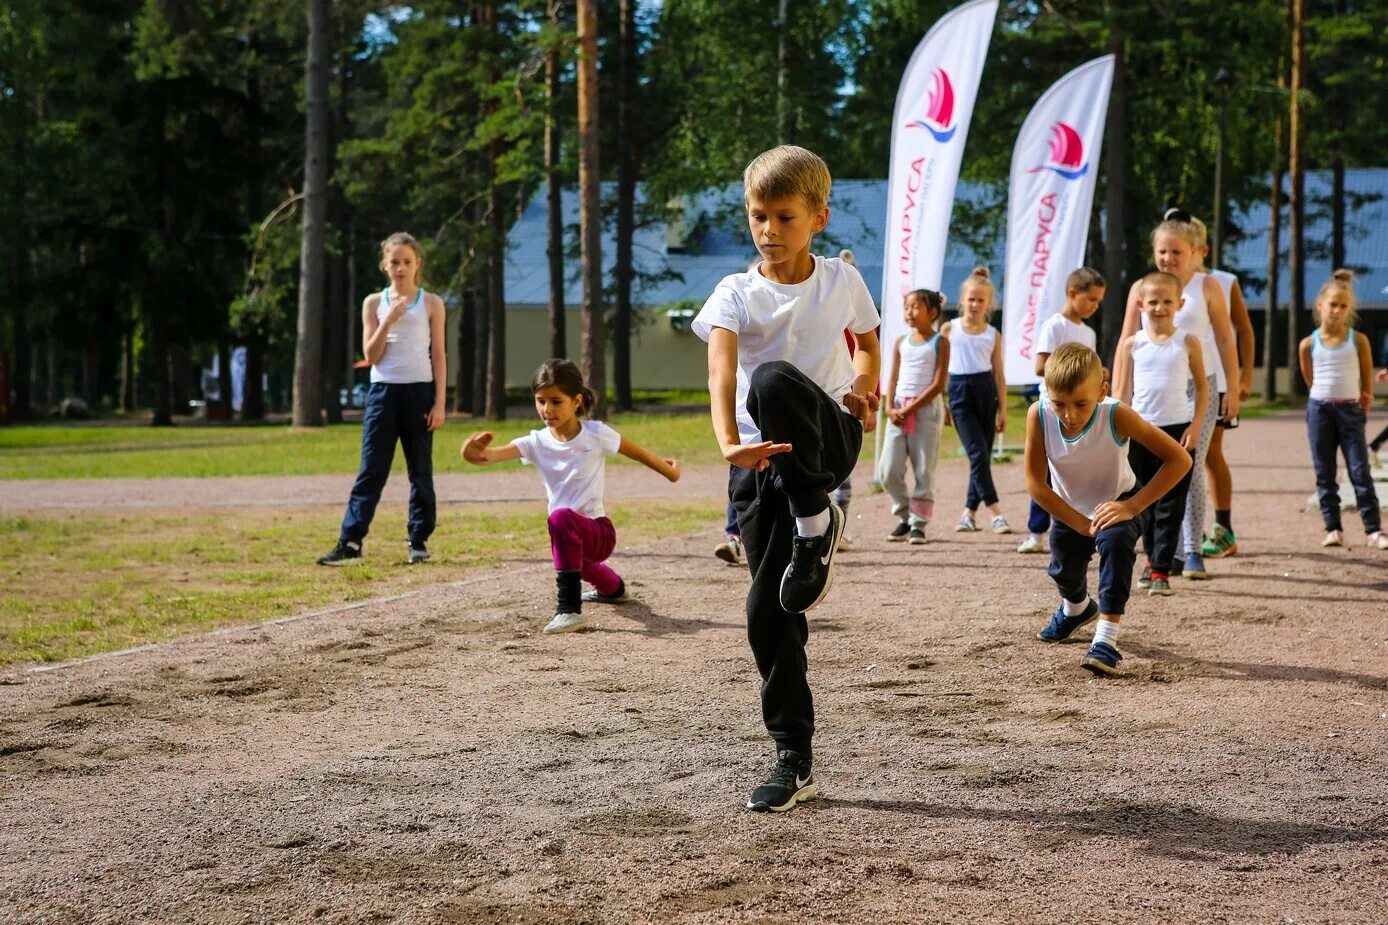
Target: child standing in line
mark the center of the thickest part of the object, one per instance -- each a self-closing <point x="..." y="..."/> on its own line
<point x="1084" y="293"/>
<point x="569" y="454"/>
<point x="403" y="339"/>
<point x="976" y="395"/>
<point x="789" y="409"/>
<point x="1204" y="314"/>
<point x="1079" y="436"/>
<point x="915" y="416"/>
<point x="1220" y="541"/>
<point x="1151" y="372"/>
<point x="1338" y="369"/>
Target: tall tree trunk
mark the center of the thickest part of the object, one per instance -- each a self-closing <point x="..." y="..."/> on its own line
<point x="1337" y="213"/>
<point x="21" y="297"/>
<point x="1115" y="190"/>
<point x="334" y="367"/>
<point x="481" y="337"/>
<point x="782" y="71"/>
<point x="1296" y="259"/>
<point x="308" y="348"/>
<point x="1274" y="264"/>
<point x="253" y="391"/>
<point x="589" y="215"/>
<point x="554" y="202"/>
<point x="626" y="207"/>
<point x="224" y="376"/>
<point x="467" y="324"/>
<point x="496" y="251"/>
<point x="127" y="361"/>
<point x="159" y="361"/>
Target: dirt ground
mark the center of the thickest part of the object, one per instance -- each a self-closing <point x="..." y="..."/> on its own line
<point x="434" y="759"/>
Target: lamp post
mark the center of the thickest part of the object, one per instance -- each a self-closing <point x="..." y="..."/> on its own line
<point x="1222" y="81"/>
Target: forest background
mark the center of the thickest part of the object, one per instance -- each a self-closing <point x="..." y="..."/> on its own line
<point x="155" y="156"/>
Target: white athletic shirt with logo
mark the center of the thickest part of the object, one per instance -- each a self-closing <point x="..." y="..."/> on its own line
<point x="1091" y="468"/>
<point x="406" y="358"/>
<point x="572" y="471"/>
<point x="916" y="369"/>
<point x="1057" y="331"/>
<point x="1161" y="374"/>
<point x="970" y="353"/>
<point x="1334" y="370"/>
<point x="801" y="323"/>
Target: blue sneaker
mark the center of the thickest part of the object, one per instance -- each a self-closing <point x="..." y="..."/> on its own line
<point x="1061" y="626"/>
<point x="1195" y="568"/>
<point x="1102" y="658"/>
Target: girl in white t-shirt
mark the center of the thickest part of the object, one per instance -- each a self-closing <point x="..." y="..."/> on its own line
<point x="570" y="455"/>
<point x="915" y="415"/>
<point x="976" y="394"/>
<point x="1338" y="370"/>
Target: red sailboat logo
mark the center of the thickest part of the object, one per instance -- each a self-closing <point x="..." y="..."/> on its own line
<point x="1067" y="153"/>
<point x="939" y="109"/>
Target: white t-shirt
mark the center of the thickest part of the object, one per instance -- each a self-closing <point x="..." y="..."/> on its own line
<point x="970" y="353"/>
<point x="802" y="324"/>
<point x="572" y="471"/>
<point x="1056" y="332"/>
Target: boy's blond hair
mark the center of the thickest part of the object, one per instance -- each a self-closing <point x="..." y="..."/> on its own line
<point x="1085" y="278"/>
<point x="1071" y="366"/>
<point x="788" y="170"/>
<point x="1161" y="278"/>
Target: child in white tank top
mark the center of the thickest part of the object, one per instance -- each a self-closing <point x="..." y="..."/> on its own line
<point x="1152" y="370"/>
<point x="1079" y="437"/>
<point x="915" y="415"/>
<point x="1338" y="369"/>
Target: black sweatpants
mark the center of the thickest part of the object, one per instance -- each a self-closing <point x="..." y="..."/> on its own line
<point x="1162" y="529"/>
<point x="787" y="408"/>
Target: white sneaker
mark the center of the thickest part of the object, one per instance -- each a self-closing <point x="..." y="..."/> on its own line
<point x="966" y="524"/>
<point x="1334" y="538"/>
<point x="999" y="524"/>
<point x="1031" y="544"/>
<point x="730" y="550"/>
<point x="1378" y="540"/>
<point x="565" y="623"/>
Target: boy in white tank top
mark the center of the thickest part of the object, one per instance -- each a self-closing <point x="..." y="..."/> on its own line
<point x="1079" y="437"/>
<point x="1151" y="372"/>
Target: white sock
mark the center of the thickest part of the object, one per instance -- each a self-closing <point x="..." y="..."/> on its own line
<point x="1106" y="631"/>
<point x="1072" y="609"/>
<point x="818" y="525"/>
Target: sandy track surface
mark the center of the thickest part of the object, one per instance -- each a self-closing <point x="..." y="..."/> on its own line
<point x="433" y="759"/>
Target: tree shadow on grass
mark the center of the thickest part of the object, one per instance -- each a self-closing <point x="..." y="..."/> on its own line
<point x="1164" y="829"/>
<point x="1249" y="671"/>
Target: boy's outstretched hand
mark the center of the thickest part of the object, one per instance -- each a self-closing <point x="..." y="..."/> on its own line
<point x="674" y="467"/>
<point x="863" y="406"/>
<point x="753" y="455"/>
<point x="1108" y="514"/>
<point x="474" y="448"/>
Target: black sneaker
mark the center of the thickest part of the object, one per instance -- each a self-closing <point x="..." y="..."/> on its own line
<point x="1177" y="566"/>
<point x="917" y="537"/>
<point x="418" y="553"/>
<point x="811" y="571"/>
<point x="899" y="532"/>
<point x="791" y="782"/>
<point x="344" y="553"/>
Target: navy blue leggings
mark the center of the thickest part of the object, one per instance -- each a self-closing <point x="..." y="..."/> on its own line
<point x="973" y="403"/>
<point x="394" y="412"/>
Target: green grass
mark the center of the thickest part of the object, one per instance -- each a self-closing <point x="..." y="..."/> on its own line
<point x="81" y="584"/>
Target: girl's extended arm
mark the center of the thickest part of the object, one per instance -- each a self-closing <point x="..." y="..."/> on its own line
<point x="891" y="380"/>
<point x="666" y="467"/>
<point x="1123" y="371"/>
<point x="1195" y="354"/>
<point x="1175" y="463"/>
<point x="1243" y="336"/>
<point x="937" y="386"/>
<point x="1038" y="486"/>
<point x="1366" y="373"/>
<point x="722" y="395"/>
<point x="476" y="450"/>
<point x="1132" y="315"/>
<point x="438" y="359"/>
<point x="1304" y="355"/>
<point x="999" y="378"/>
<point x="1224" y="340"/>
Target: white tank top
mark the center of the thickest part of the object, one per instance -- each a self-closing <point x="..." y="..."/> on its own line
<point x="1334" y="370"/>
<point x="1091" y="468"/>
<point x="917" y="365"/>
<point x="406" y="358"/>
<point x="1194" y="318"/>
<point x="970" y="353"/>
<point x="1161" y="373"/>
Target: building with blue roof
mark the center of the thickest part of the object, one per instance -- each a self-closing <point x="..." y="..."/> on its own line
<point x="679" y="263"/>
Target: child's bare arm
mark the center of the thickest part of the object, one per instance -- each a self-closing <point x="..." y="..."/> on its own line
<point x="941" y="380"/>
<point x="722" y="394"/>
<point x="1224" y="342"/>
<point x="892" y="410"/>
<point x="666" y="467"/>
<point x="862" y="398"/>
<point x="1123" y="371"/>
<point x="1175" y="463"/>
<point x="1195" y="356"/>
<point x="1036" y="470"/>
<point x="477" y="450"/>
<point x="1304" y="356"/>
<point x="1000" y="382"/>
<point x="1041" y="359"/>
<point x="1366" y="372"/>
<point x="1243" y="336"/>
<point x="1132" y="315"/>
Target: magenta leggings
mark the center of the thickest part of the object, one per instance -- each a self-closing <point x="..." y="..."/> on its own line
<point x="583" y="544"/>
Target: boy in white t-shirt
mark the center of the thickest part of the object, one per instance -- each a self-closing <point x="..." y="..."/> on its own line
<point x="1077" y="469"/>
<point x="789" y="410"/>
<point x="1084" y="293"/>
